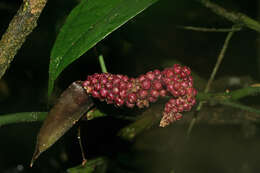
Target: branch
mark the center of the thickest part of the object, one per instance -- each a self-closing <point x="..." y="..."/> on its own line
<point x="149" y="118"/>
<point x="203" y="29"/>
<point x="22" y="117"/>
<point x="237" y="18"/>
<point x="19" y="28"/>
<point x="152" y="116"/>
<point x="212" y="77"/>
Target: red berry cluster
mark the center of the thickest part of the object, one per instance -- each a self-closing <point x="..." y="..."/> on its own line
<point x="147" y="88"/>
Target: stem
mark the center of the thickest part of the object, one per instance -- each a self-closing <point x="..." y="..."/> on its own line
<point x="240" y="106"/>
<point x="22" y="117"/>
<point x="219" y="60"/>
<point x="19" y="28"/>
<point x="237" y="18"/>
<point x="202" y="29"/>
<point x="102" y="64"/>
<point x="222" y="98"/>
<point x="212" y="77"/>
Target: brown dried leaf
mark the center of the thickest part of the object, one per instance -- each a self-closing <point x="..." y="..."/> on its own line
<point x="71" y="105"/>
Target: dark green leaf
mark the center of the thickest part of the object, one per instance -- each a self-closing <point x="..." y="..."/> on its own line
<point x="87" y="24"/>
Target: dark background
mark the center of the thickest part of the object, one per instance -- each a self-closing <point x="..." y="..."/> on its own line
<point x="150" y="40"/>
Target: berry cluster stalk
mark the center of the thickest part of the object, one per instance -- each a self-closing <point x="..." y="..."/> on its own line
<point x="175" y="82"/>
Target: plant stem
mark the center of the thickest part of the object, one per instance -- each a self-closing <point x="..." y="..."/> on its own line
<point x="102" y="64"/>
<point x="237" y="18"/>
<point x="222" y="98"/>
<point x="212" y="77"/>
<point x="202" y="29"/>
<point x="22" y="117"/>
<point x="19" y="28"/>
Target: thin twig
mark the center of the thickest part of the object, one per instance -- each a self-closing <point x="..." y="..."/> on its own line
<point x="240" y="106"/>
<point x="236" y="18"/>
<point x="203" y="29"/>
<point x="84" y="160"/>
<point x="212" y="77"/>
<point x="19" y="28"/>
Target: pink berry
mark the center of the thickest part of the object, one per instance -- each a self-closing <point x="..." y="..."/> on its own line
<point x="194" y="92"/>
<point x="150" y="75"/>
<point x="110" y="96"/>
<point x="122" y="85"/>
<point x="170" y="87"/>
<point x="130" y="105"/>
<point x="123" y="94"/>
<point x="176" y="85"/>
<point x="94" y="81"/>
<point x="119" y="102"/>
<point x="95" y="94"/>
<point x="132" y="98"/>
<point x="169" y="74"/>
<point x="172" y="101"/>
<point x="152" y="99"/>
<point x="189" y="91"/>
<point x="146" y="84"/>
<point x="143" y="94"/>
<point x="186" y="107"/>
<point x="184" y="84"/>
<point x="176" y="68"/>
<point x="86" y="83"/>
<point x="125" y="78"/>
<point x="186" y="70"/>
<point x="156" y="72"/>
<point x="109" y="85"/>
<point x="115" y="90"/>
<point x="163" y="93"/>
<point x="141" y="78"/>
<point x="154" y="93"/>
<point x="103" y="92"/>
<point x="178" y="116"/>
<point x="116" y="81"/>
<point x="103" y="81"/>
<point x="183" y="74"/>
<point x="181" y="92"/>
<point x="129" y="85"/>
<point x="157" y="85"/>
<point x="119" y="76"/>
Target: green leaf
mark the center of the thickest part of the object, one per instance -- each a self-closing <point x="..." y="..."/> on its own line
<point x="87" y="24"/>
<point x="97" y="165"/>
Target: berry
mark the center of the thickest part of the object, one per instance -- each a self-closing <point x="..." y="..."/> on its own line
<point x="143" y="94"/>
<point x="95" y="94"/>
<point x="154" y="93"/>
<point x="132" y="98"/>
<point x="119" y="102"/>
<point x="130" y="105"/>
<point x="123" y="94"/>
<point x="103" y="92"/>
<point x="163" y="93"/>
<point x="157" y="85"/>
<point x="150" y="75"/>
<point x="115" y="90"/>
<point x="186" y="70"/>
<point x="146" y="84"/>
